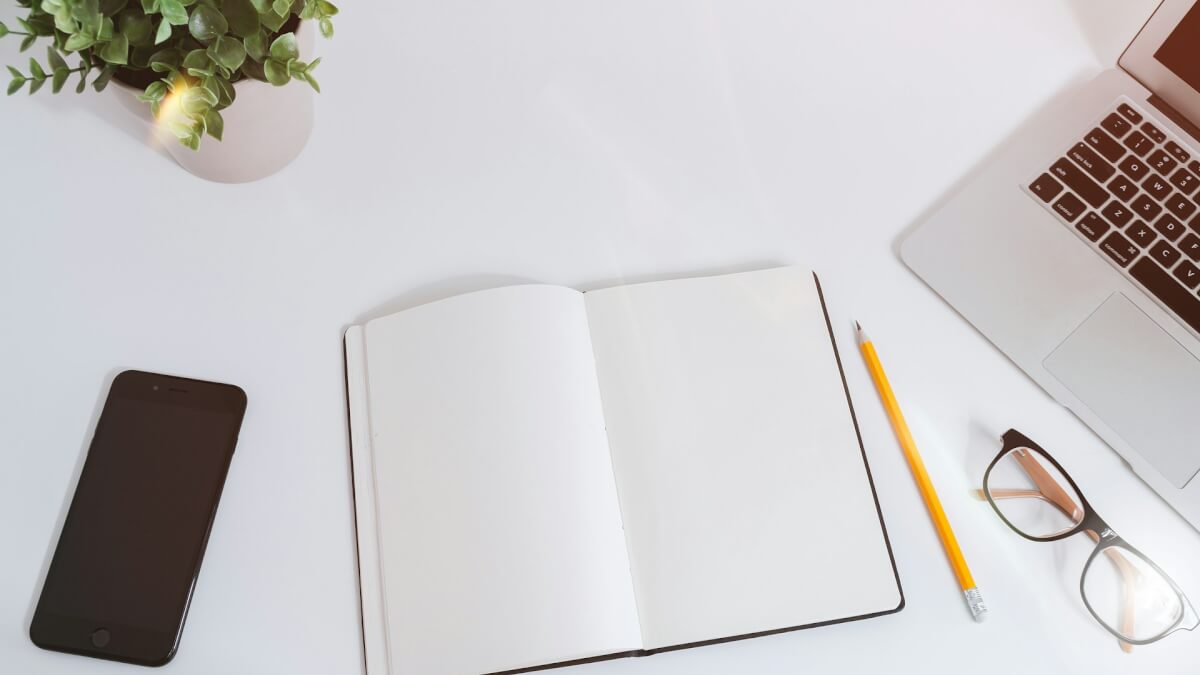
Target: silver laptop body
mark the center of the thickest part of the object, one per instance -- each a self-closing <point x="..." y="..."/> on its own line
<point x="1076" y="251"/>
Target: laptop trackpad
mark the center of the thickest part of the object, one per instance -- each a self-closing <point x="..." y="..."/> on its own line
<point x="1139" y="381"/>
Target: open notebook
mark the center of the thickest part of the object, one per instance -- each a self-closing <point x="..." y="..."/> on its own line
<point x="544" y="476"/>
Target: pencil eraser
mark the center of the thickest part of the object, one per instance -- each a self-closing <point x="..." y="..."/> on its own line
<point x="975" y="602"/>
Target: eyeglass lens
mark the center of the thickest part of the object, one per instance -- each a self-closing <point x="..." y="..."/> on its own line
<point x="1033" y="495"/>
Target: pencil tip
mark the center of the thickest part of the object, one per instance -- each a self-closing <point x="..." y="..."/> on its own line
<point x="858" y="325"/>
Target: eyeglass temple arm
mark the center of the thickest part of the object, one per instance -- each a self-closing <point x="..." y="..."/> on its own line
<point x="1054" y="493"/>
<point x="1050" y="491"/>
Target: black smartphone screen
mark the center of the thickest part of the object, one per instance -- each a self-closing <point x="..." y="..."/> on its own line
<point x="130" y="549"/>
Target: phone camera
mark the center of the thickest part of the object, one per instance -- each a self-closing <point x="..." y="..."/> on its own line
<point x="156" y="387"/>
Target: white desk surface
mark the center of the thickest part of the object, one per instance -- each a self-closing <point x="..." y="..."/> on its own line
<point x="464" y="145"/>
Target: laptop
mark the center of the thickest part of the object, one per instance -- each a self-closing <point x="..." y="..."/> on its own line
<point x="1076" y="251"/>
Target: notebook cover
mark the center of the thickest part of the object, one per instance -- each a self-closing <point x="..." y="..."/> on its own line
<point x="374" y="636"/>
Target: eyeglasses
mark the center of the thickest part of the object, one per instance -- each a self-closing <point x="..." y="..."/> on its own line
<point x="1127" y="593"/>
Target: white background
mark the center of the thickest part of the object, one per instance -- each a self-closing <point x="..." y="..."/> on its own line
<point x="462" y="145"/>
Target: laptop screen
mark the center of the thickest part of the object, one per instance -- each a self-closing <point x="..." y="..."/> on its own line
<point x="1179" y="52"/>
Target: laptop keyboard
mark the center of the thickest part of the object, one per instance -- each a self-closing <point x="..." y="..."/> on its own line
<point x="1133" y="193"/>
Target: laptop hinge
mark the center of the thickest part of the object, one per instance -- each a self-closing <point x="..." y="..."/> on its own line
<point x="1175" y="116"/>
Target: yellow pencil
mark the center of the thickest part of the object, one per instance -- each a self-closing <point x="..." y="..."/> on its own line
<point x="970" y="591"/>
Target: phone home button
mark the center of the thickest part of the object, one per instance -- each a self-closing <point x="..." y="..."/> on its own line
<point x="100" y="637"/>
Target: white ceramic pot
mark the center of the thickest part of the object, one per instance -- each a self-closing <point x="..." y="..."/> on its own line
<point x="266" y="128"/>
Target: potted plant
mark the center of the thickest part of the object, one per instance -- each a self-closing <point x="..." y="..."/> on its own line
<point x="195" y="63"/>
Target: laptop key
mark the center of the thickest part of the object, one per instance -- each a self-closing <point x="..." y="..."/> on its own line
<point x="1123" y="188"/>
<point x="1134" y="168"/>
<point x="1104" y="144"/>
<point x="1117" y="214"/>
<point x="1178" y="152"/>
<point x="1120" y="249"/>
<point x="1116" y="125"/>
<point x="1138" y="144"/>
<point x="1153" y="132"/>
<point x="1091" y="162"/>
<point x="1161" y="162"/>
<point x="1165" y="254"/>
<point x="1195" y="166"/>
<point x="1093" y="226"/>
<point x="1157" y="187"/>
<point x="1146" y="207"/>
<point x="1170" y="228"/>
<point x="1142" y="235"/>
<point x="1191" y="246"/>
<point x="1129" y="113"/>
<point x="1189" y="274"/>
<point x="1186" y="181"/>
<point x="1181" y="206"/>
<point x="1069" y="206"/>
<point x="1074" y="178"/>
<point x="1045" y="187"/>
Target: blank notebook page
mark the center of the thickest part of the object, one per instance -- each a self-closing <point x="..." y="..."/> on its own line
<point x="500" y="534"/>
<point x="746" y="500"/>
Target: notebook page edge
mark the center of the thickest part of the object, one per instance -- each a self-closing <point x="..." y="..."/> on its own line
<point x="371" y="597"/>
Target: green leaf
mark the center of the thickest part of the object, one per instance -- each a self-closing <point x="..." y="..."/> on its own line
<point x="227" y="52"/>
<point x="157" y="91"/>
<point x="173" y="11"/>
<point x="284" y="48"/>
<point x="3" y="29"/>
<point x="82" y="83"/>
<point x="164" y="32"/>
<point x="59" y="79"/>
<point x="18" y="81"/>
<point x="137" y="28"/>
<point x="207" y="95"/>
<point x="227" y="94"/>
<point x="55" y="59"/>
<point x="78" y="41"/>
<point x="86" y="12"/>
<point x="261" y="6"/>
<point x="327" y="8"/>
<point x="207" y="23"/>
<point x="271" y="21"/>
<point x="34" y="85"/>
<point x="150" y="6"/>
<point x="116" y="51"/>
<point x="35" y="69"/>
<point x="282" y="7"/>
<point x="276" y="72"/>
<point x="106" y="75"/>
<point x="197" y="59"/>
<point x="312" y="82"/>
<point x="106" y="30"/>
<point x="215" y="124"/>
<point x="112" y="7"/>
<point x="256" y="46"/>
<point x="193" y="102"/>
<point x="27" y="42"/>
<point x="326" y="27"/>
<point x="242" y="17"/>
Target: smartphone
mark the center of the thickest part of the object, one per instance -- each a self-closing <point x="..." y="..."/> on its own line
<point x="129" y="554"/>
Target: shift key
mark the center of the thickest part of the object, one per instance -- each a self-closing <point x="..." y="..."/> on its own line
<point x="1079" y="182"/>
